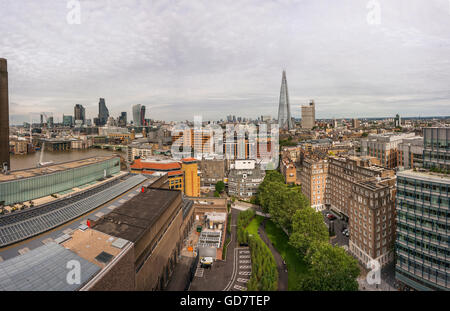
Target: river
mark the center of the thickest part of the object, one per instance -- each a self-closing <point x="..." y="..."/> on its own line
<point x="19" y="162"/>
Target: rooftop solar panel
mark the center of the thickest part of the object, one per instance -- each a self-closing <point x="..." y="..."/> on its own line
<point x="24" y="229"/>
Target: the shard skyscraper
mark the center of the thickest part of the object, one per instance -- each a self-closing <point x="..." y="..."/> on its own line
<point x="284" y="109"/>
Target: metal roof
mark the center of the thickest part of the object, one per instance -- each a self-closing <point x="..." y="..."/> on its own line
<point x="24" y="229"/>
<point x="44" y="269"/>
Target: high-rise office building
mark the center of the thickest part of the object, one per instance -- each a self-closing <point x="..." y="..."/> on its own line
<point x="397" y="121"/>
<point x="423" y="200"/>
<point x="139" y="115"/>
<point x="284" y="108"/>
<point x="355" y="123"/>
<point x="123" y="119"/>
<point x="309" y="115"/>
<point x="67" y="120"/>
<point x="4" y="116"/>
<point x="79" y="113"/>
<point x="103" y="112"/>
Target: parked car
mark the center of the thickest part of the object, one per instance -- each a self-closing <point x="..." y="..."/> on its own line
<point x="331" y="216"/>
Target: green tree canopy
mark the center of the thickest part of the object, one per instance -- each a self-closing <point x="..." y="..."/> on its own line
<point x="220" y="186"/>
<point x="331" y="269"/>
<point x="307" y="227"/>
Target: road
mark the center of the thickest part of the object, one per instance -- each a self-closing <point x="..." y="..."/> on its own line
<point x="222" y="273"/>
<point x="338" y="225"/>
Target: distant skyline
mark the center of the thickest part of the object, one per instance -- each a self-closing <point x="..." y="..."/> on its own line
<point x="216" y="58"/>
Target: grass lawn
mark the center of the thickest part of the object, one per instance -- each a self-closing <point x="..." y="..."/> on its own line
<point x="253" y="226"/>
<point x="296" y="265"/>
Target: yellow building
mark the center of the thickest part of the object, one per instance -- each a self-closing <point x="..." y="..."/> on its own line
<point x="191" y="178"/>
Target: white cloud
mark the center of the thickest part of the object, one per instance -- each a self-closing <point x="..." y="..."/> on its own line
<point x="181" y="58"/>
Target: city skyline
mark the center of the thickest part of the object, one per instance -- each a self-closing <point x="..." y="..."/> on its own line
<point x="179" y="58"/>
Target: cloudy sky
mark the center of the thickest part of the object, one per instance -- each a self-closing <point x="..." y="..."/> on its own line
<point x="214" y="58"/>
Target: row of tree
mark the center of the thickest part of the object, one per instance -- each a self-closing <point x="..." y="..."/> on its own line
<point x="264" y="275"/>
<point x="279" y="199"/>
<point x="330" y="267"/>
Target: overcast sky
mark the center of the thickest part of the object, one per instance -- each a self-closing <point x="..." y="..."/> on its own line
<point x="220" y="57"/>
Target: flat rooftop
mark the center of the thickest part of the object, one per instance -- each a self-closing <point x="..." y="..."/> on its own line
<point x="425" y="175"/>
<point x="89" y="244"/>
<point x="33" y="172"/>
<point x="130" y="220"/>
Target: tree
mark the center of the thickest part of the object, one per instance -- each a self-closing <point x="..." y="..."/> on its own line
<point x="217" y="194"/>
<point x="220" y="186"/>
<point x="307" y="227"/>
<point x="331" y="269"/>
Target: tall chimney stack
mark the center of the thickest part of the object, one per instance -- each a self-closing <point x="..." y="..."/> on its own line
<point x="4" y="116"/>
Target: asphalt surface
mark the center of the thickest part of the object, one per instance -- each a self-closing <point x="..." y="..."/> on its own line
<point x="282" y="268"/>
<point x="222" y="272"/>
<point x="338" y="225"/>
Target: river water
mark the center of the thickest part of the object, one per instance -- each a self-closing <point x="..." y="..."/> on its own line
<point x="31" y="160"/>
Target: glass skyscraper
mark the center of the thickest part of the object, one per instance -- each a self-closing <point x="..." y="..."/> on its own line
<point x="284" y="108"/>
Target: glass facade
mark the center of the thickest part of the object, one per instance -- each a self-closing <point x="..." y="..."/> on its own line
<point x="422" y="247"/>
<point x="436" y="152"/>
<point x="21" y="190"/>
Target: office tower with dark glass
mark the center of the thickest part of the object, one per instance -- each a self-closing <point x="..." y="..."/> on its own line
<point x="4" y="116"/>
<point x="103" y="112"/>
<point x="284" y="109"/>
<point x="139" y="115"/>
<point x="79" y="113"/>
<point x="423" y="210"/>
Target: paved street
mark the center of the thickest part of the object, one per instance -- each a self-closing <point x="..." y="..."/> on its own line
<point x="222" y="272"/>
<point x="339" y="225"/>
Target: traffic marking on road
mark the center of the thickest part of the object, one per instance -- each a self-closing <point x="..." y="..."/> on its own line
<point x="238" y="287"/>
<point x="244" y="261"/>
<point x="244" y="273"/>
<point x="244" y="256"/>
<point x="241" y="280"/>
<point x="245" y="267"/>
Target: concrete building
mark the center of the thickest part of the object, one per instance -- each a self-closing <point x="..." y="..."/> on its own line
<point x="139" y="151"/>
<point x="423" y="255"/>
<point x="384" y="147"/>
<point x="410" y="153"/>
<point x="356" y="123"/>
<point x="244" y="178"/>
<point x="211" y="172"/>
<point x="4" y="116"/>
<point x="153" y="224"/>
<point x="309" y="116"/>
